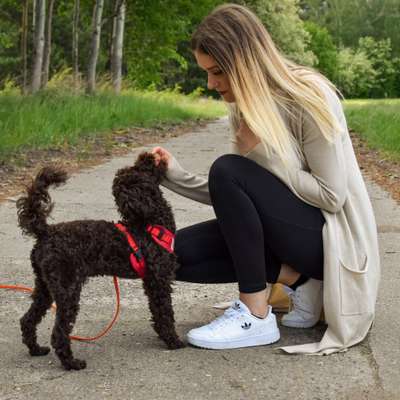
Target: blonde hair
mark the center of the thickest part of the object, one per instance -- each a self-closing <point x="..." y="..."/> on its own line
<point x="261" y="79"/>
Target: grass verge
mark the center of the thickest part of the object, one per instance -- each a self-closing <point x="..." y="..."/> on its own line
<point x="56" y="118"/>
<point x="378" y="122"/>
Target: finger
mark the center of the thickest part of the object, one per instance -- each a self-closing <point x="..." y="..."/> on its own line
<point x="156" y="149"/>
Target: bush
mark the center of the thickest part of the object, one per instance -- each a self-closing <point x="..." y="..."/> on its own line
<point x="356" y="75"/>
<point x="322" y="46"/>
<point x="379" y="54"/>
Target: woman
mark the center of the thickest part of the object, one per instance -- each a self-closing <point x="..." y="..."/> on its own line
<point x="290" y="202"/>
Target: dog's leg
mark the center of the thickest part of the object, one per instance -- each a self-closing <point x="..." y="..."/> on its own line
<point x="67" y="301"/>
<point x="41" y="302"/>
<point x="158" y="291"/>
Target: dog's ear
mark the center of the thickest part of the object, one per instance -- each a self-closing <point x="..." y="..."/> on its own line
<point x="146" y="163"/>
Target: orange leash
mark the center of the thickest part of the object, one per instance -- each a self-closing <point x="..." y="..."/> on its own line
<point x="80" y="338"/>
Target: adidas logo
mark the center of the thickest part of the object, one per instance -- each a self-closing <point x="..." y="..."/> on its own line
<point x="246" y="325"/>
<point x="236" y="306"/>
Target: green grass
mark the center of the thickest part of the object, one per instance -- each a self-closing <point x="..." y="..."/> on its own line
<point x="55" y="118"/>
<point x="378" y="122"/>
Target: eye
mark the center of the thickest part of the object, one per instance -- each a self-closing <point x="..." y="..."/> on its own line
<point x="219" y="72"/>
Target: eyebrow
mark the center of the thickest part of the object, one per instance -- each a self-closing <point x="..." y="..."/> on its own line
<point x="214" y="66"/>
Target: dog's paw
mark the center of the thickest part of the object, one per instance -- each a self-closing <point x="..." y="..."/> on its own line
<point x="39" y="351"/>
<point x="75" y="364"/>
<point x="176" y="344"/>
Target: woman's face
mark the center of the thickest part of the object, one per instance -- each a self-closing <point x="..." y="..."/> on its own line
<point x="216" y="80"/>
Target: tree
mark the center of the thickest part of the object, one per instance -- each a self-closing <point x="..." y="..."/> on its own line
<point x="24" y="45"/>
<point x="348" y="20"/>
<point x="117" y="44"/>
<point x="40" y="16"/>
<point x="75" y="43"/>
<point x="154" y="28"/>
<point x="47" y="46"/>
<point x="95" y="45"/>
<point x="322" y="46"/>
<point x="379" y="54"/>
<point x="283" y="22"/>
<point x="396" y="79"/>
<point x="356" y="75"/>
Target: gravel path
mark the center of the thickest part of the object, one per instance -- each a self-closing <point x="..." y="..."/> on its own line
<point x="132" y="363"/>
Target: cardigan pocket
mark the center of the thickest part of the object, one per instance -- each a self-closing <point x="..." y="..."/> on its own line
<point x="355" y="297"/>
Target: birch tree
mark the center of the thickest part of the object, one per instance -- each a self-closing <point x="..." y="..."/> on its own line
<point x="24" y="46"/>
<point x="95" y="45"/>
<point x="117" y="44"/>
<point x="38" y="45"/>
<point x="75" y="43"/>
<point x="47" y="46"/>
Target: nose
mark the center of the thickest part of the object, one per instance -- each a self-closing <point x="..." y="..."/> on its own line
<point x="212" y="83"/>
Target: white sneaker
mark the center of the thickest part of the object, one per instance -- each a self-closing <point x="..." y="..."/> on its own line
<point x="236" y="327"/>
<point x="307" y="305"/>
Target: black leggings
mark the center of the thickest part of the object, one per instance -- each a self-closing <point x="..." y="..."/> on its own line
<point x="260" y="225"/>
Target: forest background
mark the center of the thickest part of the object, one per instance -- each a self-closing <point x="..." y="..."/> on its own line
<point x="355" y="43"/>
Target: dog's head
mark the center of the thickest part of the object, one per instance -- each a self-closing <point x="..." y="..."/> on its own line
<point x="146" y="164"/>
<point x="136" y="189"/>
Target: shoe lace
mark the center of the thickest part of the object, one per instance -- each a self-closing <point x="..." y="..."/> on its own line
<point x="228" y="316"/>
<point x="296" y="300"/>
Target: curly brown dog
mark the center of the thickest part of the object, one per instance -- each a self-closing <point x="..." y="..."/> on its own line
<point x="66" y="254"/>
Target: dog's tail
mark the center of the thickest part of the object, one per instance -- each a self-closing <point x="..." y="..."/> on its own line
<point x="36" y="206"/>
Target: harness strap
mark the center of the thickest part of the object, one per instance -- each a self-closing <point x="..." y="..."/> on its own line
<point x="136" y="258"/>
<point x="162" y="236"/>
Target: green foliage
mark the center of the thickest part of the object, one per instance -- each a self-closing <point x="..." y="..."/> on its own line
<point x="322" y="46"/>
<point x="282" y="20"/>
<point x="379" y="54"/>
<point x="368" y="71"/>
<point x="348" y="20"/>
<point x="152" y="31"/>
<point x="356" y="75"/>
<point x="368" y="26"/>
<point x="9" y="38"/>
<point x="396" y="79"/>
<point x="157" y="34"/>
<point x="188" y="76"/>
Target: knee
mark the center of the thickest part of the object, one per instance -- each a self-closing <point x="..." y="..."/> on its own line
<point x="222" y="168"/>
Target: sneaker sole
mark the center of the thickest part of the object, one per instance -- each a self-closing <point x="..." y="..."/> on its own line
<point x="234" y="344"/>
<point x="294" y="324"/>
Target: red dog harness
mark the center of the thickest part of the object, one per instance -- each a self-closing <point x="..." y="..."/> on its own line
<point x="160" y="235"/>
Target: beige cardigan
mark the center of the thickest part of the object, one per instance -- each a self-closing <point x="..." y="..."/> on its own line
<point x="330" y="180"/>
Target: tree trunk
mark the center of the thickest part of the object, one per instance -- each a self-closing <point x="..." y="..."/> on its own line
<point x="75" y="44"/>
<point x="112" y="41"/>
<point x="47" y="46"/>
<point x="38" y="45"/>
<point x="116" y="60"/>
<point x="94" y="51"/>
<point x="24" y="46"/>
<point x="33" y="15"/>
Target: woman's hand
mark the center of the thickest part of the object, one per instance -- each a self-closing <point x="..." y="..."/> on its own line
<point x="161" y="154"/>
